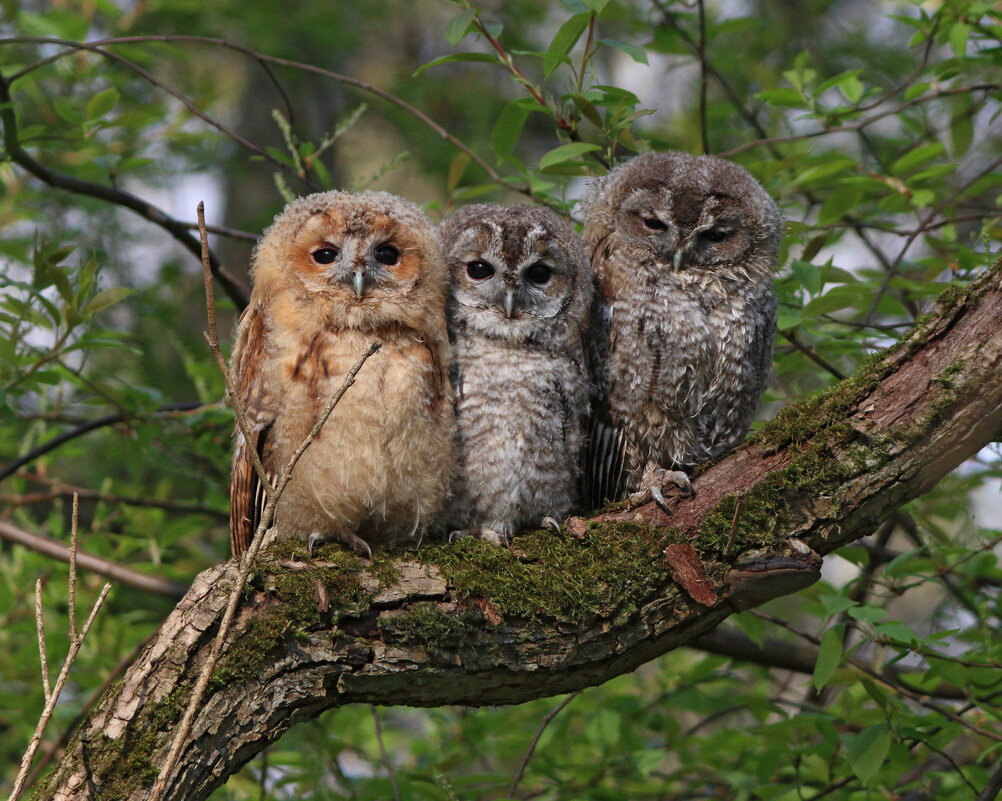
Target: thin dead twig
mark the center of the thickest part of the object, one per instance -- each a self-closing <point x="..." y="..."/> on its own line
<point x="383" y="754"/>
<point x="547" y="719"/>
<point x="52" y="695"/>
<point x="273" y="495"/>
<point x="96" y="564"/>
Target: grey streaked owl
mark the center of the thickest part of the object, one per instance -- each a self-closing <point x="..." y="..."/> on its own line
<point x="333" y="273"/>
<point x="683" y="249"/>
<point x="520" y="296"/>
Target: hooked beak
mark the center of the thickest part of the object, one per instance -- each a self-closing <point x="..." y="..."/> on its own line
<point x="509" y="302"/>
<point x="359" y="283"/>
<point x="678" y="259"/>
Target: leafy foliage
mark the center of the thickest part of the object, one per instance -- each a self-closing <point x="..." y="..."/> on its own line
<point x="874" y="125"/>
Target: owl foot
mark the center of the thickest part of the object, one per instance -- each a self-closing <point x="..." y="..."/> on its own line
<point x="353" y="541"/>
<point x="484" y="533"/>
<point x="654" y="479"/>
<point x="549" y="522"/>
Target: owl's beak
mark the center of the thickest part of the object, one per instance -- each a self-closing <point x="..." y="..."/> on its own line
<point x="509" y="302"/>
<point x="359" y="283"/>
<point x="678" y="259"/>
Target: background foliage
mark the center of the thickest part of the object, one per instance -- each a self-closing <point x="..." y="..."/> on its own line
<point x="875" y="125"/>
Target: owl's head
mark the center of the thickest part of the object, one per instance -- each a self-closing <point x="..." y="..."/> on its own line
<point x="359" y="261"/>
<point x="517" y="273"/>
<point x="673" y="211"/>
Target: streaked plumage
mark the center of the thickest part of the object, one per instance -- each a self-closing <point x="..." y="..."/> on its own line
<point x="684" y="249"/>
<point x="520" y="295"/>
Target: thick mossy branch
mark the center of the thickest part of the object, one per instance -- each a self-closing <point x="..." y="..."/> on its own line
<point x="468" y="623"/>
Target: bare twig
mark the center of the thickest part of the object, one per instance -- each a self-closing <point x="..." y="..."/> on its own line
<point x="920" y="698"/>
<point x="234" y="288"/>
<point x="383" y="754"/>
<point x="703" y="132"/>
<point x="62" y="491"/>
<point x="273" y="493"/>
<point x="154" y="81"/>
<point x="547" y="719"/>
<point x="811" y="354"/>
<point x="115" y="674"/>
<point x="96" y="564"/>
<point x="40" y="628"/>
<point x="72" y="602"/>
<point x="84" y="428"/>
<point x="992" y="789"/>
<point x="265" y="59"/>
<point x="51" y="696"/>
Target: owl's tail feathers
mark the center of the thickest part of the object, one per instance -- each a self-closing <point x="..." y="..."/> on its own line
<point x="604" y="474"/>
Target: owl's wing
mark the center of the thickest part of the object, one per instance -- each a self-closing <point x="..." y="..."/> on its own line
<point x="247" y="495"/>
<point x="603" y="474"/>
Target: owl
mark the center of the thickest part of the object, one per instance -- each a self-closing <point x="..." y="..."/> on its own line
<point x="683" y="249"/>
<point x="333" y="273"/>
<point x="520" y="296"/>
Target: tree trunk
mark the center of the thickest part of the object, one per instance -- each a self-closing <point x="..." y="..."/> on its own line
<point x="469" y="623"/>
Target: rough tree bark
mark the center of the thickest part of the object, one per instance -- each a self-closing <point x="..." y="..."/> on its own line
<point x="472" y="624"/>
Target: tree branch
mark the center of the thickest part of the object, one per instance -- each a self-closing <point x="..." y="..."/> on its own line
<point x="468" y="623"/>
<point x="177" y="229"/>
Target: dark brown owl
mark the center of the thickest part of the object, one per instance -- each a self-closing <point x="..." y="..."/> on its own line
<point x="684" y="249"/>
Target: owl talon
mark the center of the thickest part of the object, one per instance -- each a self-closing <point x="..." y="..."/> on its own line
<point x="312" y="540"/>
<point x="353" y="541"/>
<point x="549" y="522"/>
<point x="659" y="498"/>
<point x="493" y="537"/>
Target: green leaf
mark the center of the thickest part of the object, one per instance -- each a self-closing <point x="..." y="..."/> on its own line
<point x="868" y="750"/>
<point x="959" y="32"/>
<point x="487" y="57"/>
<point x="587" y="109"/>
<point x="105" y="298"/>
<point x="566" y="153"/>
<point x="829" y="656"/>
<point x="638" y="54"/>
<point x="852" y="88"/>
<point x="844" y="199"/>
<point x="508" y="128"/>
<point x="868" y="614"/>
<point x="838" y="297"/>
<point x="62" y="282"/>
<point x="917" y="157"/>
<point x="897" y="631"/>
<point x="101" y="103"/>
<point x="833" y="604"/>
<point x="459" y="25"/>
<point x="961" y="126"/>
<point x="563" y="41"/>
<point x="596" y="5"/>
<point x="789" y="98"/>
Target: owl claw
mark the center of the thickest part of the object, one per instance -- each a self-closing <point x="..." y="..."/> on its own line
<point x="654" y="479"/>
<point x="353" y="541"/>
<point x="493" y="537"/>
<point x="486" y="534"/>
<point x="549" y="522"/>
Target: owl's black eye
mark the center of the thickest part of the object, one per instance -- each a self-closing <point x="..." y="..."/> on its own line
<point x="325" y="255"/>
<point x="538" y="273"/>
<point x="386" y="254"/>
<point x="716" y="235"/>
<point x="479" y="270"/>
<point x="654" y="224"/>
